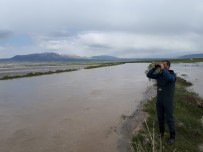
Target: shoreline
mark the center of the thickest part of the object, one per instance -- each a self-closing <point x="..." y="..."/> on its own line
<point x="192" y="119"/>
<point x="132" y="124"/>
<point x="32" y="74"/>
<point x="89" y="66"/>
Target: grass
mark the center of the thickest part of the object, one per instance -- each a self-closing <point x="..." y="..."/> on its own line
<point x="92" y="65"/>
<point x="188" y="111"/>
<point x="194" y="60"/>
<point x="32" y="74"/>
<point x="103" y="65"/>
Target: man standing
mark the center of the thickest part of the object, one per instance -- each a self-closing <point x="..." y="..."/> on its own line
<point x="165" y="93"/>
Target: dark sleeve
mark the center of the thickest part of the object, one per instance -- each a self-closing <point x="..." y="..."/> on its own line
<point x="169" y="76"/>
<point x="151" y="74"/>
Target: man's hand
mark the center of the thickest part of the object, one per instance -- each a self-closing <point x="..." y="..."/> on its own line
<point x="162" y="66"/>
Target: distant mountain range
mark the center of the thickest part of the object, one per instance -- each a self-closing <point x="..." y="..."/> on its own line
<point x="49" y="57"/>
<point x="54" y="57"/>
<point x="46" y="57"/>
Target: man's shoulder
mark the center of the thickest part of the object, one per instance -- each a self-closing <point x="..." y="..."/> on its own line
<point x="171" y="71"/>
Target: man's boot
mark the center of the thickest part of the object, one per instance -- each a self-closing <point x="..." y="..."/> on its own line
<point x="171" y="140"/>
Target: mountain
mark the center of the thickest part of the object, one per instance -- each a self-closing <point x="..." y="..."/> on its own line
<point x="192" y="56"/>
<point x="37" y="57"/>
<point x="45" y="57"/>
<point x="49" y="57"/>
<point x="105" y="57"/>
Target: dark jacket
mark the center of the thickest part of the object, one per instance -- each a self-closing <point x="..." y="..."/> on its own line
<point x="165" y="83"/>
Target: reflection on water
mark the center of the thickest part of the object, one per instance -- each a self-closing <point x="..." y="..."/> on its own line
<point x="69" y="112"/>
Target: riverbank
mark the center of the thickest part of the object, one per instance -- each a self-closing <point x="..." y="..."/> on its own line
<point x="104" y="65"/>
<point x="189" y="60"/>
<point x="32" y="74"/>
<point x="188" y="112"/>
<point x="20" y="70"/>
<point x="69" y="69"/>
<point x="133" y="123"/>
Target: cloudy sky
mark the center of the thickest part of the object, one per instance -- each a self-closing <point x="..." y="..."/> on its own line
<point x="122" y="28"/>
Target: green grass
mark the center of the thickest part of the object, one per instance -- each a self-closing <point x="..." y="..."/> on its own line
<point x="188" y="111"/>
<point x="194" y="60"/>
<point x="90" y="66"/>
<point x="103" y="65"/>
<point x="32" y="74"/>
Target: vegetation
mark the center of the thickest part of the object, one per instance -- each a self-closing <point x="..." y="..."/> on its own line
<point x="31" y="74"/>
<point x="188" y="111"/>
<point x="103" y="65"/>
<point x="193" y="60"/>
<point x="91" y="65"/>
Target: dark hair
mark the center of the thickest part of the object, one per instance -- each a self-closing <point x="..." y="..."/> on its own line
<point x="168" y="62"/>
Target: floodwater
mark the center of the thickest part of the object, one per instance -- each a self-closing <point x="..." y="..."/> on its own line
<point x="69" y="112"/>
<point x="22" y="69"/>
<point x="192" y="72"/>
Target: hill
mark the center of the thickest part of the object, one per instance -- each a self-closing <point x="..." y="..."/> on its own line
<point x="54" y="57"/>
<point x="46" y="57"/>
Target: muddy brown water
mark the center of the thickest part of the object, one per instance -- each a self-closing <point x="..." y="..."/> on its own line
<point x="69" y="112"/>
<point x="75" y="111"/>
<point x="192" y="72"/>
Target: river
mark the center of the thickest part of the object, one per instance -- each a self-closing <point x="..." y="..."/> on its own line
<point x="69" y="112"/>
<point x="76" y="111"/>
<point x="192" y="72"/>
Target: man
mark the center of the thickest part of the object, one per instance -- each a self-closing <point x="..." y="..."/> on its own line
<point x="165" y="93"/>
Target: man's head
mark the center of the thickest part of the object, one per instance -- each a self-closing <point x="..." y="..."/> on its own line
<point x="166" y="64"/>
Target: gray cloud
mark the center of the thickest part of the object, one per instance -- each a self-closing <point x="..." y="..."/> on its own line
<point x="99" y="46"/>
<point x="123" y="44"/>
<point x="118" y="27"/>
<point x="5" y="34"/>
<point x="157" y="16"/>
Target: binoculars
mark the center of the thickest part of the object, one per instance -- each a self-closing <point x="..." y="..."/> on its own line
<point x="157" y="66"/>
